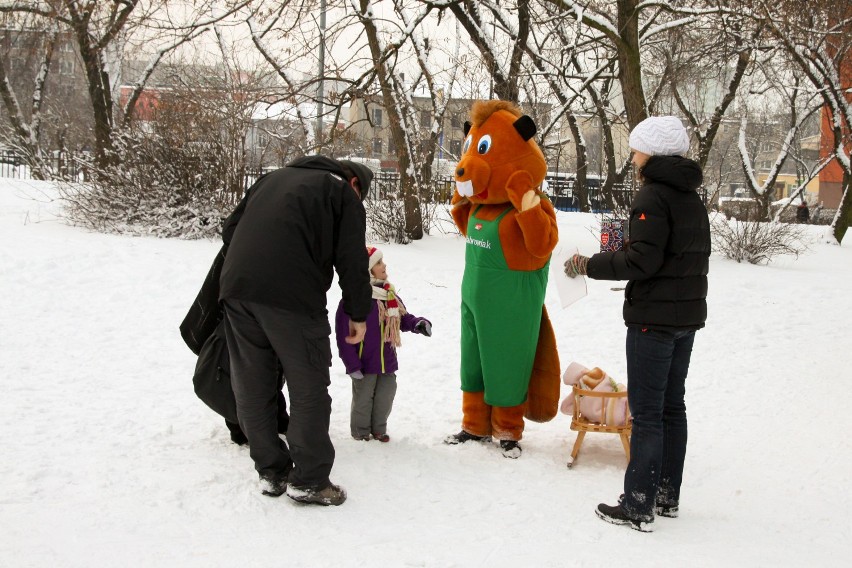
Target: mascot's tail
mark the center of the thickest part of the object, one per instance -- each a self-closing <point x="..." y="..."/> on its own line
<point x="543" y="394"/>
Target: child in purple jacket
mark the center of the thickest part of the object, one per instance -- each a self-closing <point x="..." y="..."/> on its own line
<point x="372" y="364"/>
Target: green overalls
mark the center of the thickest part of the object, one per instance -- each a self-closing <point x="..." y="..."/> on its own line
<point x="501" y="314"/>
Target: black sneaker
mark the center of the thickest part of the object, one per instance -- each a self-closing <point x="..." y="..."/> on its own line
<point x="511" y="449"/>
<point x="463" y="437"/>
<point x="362" y="438"/>
<point x="330" y="495"/>
<point x="617" y="516"/>
<point x="275" y="485"/>
<point x="670" y="510"/>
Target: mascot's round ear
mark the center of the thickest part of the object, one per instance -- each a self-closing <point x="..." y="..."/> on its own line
<point x="467" y="126"/>
<point x="525" y="127"/>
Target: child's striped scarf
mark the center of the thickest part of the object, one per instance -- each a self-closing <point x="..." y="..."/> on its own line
<point x="391" y="310"/>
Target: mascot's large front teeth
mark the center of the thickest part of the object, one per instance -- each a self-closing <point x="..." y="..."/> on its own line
<point x="465" y="188"/>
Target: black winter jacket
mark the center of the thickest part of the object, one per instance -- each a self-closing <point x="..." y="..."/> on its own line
<point x="667" y="259"/>
<point x="298" y="223"/>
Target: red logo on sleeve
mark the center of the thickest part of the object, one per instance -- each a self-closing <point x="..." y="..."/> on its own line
<point x="642" y="217"/>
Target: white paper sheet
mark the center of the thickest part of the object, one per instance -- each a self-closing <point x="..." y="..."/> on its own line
<point x="570" y="289"/>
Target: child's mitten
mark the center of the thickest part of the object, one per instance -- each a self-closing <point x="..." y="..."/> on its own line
<point x="423" y="327"/>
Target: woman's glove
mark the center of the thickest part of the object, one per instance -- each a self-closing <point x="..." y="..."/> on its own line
<point x="576" y="265"/>
<point x="423" y="327"/>
<point x="357" y="375"/>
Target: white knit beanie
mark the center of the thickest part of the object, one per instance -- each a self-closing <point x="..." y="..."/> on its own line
<point x="660" y="136"/>
<point x="375" y="255"/>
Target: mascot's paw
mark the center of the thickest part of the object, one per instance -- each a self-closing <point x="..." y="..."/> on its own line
<point x="530" y="200"/>
<point x="463" y="437"/>
<point x="510" y="449"/>
<point x="519" y="187"/>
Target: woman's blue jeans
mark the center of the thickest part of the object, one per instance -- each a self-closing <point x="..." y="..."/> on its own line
<point x="657" y="364"/>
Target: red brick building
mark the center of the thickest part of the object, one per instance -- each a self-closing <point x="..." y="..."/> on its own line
<point x="831" y="177"/>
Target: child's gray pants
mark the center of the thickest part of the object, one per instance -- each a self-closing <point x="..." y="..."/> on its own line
<point x="372" y="401"/>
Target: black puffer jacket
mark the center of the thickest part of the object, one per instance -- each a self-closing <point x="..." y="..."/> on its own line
<point x="668" y="255"/>
<point x="297" y="225"/>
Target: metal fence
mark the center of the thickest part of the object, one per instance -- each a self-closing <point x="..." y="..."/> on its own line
<point x="386" y="185"/>
<point x="561" y="191"/>
<point x="62" y="165"/>
<point x="10" y="164"/>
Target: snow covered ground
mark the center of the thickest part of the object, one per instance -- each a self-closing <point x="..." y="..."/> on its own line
<point x="109" y="459"/>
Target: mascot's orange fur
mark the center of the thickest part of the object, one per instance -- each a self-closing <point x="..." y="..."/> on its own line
<point x="498" y="177"/>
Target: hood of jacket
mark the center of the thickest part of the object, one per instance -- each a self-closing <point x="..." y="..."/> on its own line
<point x="317" y="162"/>
<point x="674" y="171"/>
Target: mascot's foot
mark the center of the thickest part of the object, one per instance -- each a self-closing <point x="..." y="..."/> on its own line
<point x="510" y="448"/>
<point x="463" y="437"/>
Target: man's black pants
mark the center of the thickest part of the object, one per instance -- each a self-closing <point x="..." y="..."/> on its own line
<point x="258" y="337"/>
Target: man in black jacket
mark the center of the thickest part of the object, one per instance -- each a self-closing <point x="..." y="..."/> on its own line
<point x="295" y="227"/>
<point x="666" y="264"/>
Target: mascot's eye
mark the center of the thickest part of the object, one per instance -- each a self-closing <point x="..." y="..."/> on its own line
<point x="484" y="144"/>
<point x="467" y="142"/>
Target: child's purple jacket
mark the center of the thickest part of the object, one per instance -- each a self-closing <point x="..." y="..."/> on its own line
<point x="372" y="356"/>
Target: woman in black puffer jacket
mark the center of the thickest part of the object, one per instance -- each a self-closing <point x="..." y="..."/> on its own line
<point x="666" y="264"/>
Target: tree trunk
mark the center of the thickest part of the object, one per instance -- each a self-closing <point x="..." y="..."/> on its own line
<point x="99" y="92"/>
<point x="580" y="189"/>
<point x="629" y="63"/>
<point x="844" y="214"/>
<point x="409" y="187"/>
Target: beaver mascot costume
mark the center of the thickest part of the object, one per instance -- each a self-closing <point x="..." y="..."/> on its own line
<point x="509" y="363"/>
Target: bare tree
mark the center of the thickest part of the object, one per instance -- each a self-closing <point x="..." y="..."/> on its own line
<point x="26" y="126"/>
<point x="102" y="29"/>
<point x="819" y="41"/>
<point x="784" y="93"/>
<point x="415" y="154"/>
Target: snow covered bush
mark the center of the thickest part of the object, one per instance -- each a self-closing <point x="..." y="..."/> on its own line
<point x="157" y="191"/>
<point x="756" y="242"/>
<point x="174" y="180"/>
<point x="386" y="221"/>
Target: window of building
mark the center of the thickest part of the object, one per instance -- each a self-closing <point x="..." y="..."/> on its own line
<point x="425" y="119"/>
<point x="66" y="67"/>
<point x="391" y="147"/>
<point x="455" y="147"/>
<point x="455" y="121"/>
<point x="377" y="117"/>
<point x="377" y="146"/>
